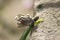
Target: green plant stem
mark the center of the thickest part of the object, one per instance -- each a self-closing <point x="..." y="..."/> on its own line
<point x="26" y="32"/>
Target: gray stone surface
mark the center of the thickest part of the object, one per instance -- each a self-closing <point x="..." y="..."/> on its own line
<point x="49" y="29"/>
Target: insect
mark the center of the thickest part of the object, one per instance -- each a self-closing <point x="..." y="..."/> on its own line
<point x="24" y="20"/>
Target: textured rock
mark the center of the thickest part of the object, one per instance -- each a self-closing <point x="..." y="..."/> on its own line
<point x="49" y="29"/>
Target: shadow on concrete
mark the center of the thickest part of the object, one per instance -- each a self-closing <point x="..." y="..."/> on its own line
<point x="49" y="5"/>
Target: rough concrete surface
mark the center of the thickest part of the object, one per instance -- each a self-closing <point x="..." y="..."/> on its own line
<point x="49" y="29"/>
